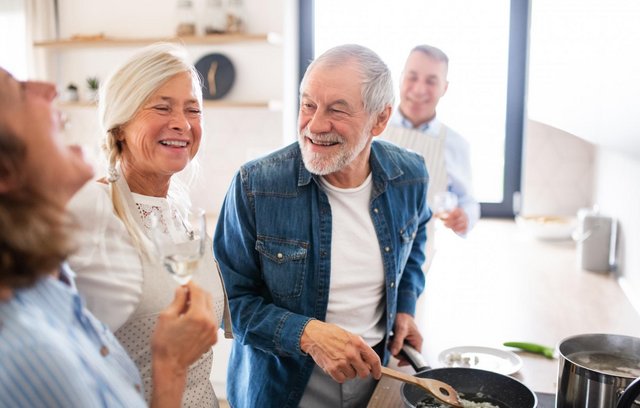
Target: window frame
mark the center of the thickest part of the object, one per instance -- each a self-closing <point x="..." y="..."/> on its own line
<point x="516" y="88"/>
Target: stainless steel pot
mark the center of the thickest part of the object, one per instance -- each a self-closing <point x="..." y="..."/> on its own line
<point x="585" y="381"/>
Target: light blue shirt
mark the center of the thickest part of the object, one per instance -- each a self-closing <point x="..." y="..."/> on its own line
<point x="457" y="162"/>
<point x="54" y="353"/>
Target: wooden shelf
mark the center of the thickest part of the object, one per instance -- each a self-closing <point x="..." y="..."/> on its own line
<point x="240" y="104"/>
<point x="271" y="105"/>
<point x="98" y="41"/>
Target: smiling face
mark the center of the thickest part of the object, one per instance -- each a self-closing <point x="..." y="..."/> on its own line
<point x="334" y="130"/>
<point x="424" y="82"/>
<point x="51" y="167"/>
<point x="162" y="137"/>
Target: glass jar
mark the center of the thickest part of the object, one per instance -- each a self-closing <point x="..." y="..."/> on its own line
<point x="236" y="16"/>
<point x="186" y="18"/>
<point x="214" y="17"/>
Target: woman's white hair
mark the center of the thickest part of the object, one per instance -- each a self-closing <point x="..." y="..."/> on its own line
<point x="121" y="97"/>
<point x="377" y="82"/>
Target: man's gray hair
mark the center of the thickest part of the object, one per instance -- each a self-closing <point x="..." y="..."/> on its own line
<point x="433" y="52"/>
<point x="377" y="82"/>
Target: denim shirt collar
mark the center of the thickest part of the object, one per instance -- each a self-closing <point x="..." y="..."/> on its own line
<point x="383" y="171"/>
<point x="304" y="175"/>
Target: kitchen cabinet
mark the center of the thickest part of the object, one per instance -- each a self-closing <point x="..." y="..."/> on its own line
<point x="584" y="71"/>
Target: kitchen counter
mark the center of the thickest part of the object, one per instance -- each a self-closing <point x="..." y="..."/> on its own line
<point x="501" y="285"/>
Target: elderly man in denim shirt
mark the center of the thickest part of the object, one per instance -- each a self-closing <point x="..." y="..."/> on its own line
<point x="321" y="245"/>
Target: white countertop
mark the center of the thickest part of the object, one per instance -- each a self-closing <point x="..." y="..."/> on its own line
<point x="501" y="285"/>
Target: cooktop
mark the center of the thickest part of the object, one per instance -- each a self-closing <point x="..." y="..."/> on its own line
<point x="546" y="400"/>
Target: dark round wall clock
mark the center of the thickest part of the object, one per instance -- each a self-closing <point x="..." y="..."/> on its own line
<point x="217" y="73"/>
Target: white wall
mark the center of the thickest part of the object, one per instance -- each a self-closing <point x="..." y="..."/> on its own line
<point x="563" y="173"/>
<point x="584" y="71"/>
<point x="232" y="135"/>
<point x="618" y="195"/>
<point x="558" y="171"/>
<point x="584" y="78"/>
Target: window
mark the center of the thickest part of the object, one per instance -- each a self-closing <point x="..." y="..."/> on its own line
<point x="13" y="50"/>
<point x="486" y="45"/>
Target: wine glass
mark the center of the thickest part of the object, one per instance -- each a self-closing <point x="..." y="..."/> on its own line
<point x="182" y="256"/>
<point x="443" y="203"/>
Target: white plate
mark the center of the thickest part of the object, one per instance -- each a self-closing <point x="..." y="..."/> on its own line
<point x="485" y="358"/>
<point x="548" y="227"/>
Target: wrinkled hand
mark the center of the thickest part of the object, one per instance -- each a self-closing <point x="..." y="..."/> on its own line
<point x="341" y="354"/>
<point x="186" y="329"/>
<point x="405" y="330"/>
<point x="456" y="219"/>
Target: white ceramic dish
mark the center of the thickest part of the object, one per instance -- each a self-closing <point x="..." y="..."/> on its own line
<point x="547" y="227"/>
<point x="485" y="358"/>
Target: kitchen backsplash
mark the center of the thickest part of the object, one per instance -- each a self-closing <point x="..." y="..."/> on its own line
<point x="558" y="171"/>
<point x="563" y="173"/>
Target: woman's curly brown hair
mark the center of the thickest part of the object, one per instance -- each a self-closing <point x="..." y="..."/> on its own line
<point x="34" y="231"/>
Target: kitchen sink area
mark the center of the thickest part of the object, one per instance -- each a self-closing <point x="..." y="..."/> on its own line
<point x="500" y="284"/>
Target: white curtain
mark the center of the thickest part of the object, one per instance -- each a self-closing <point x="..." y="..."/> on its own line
<point x="40" y="26"/>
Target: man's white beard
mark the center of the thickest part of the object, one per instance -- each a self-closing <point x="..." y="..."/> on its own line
<point x="323" y="164"/>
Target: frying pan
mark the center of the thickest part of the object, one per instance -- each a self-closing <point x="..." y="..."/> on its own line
<point x="498" y="389"/>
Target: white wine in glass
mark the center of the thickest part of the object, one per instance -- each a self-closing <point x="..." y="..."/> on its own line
<point x="182" y="258"/>
<point x="181" y="267"/>
<point x="443" y="203"/>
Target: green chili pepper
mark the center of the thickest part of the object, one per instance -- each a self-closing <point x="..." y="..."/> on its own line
<point x="548" y="352"/>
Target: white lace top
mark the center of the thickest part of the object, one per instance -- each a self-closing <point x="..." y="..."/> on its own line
<point x="108" y="264"/>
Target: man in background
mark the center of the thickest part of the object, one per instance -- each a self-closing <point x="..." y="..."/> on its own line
<point x="423" y="83"/>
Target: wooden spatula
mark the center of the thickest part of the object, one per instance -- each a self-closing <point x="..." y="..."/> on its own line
<point x="440" y="390"/>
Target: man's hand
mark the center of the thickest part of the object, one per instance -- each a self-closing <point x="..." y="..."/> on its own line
<point x="405" y="330"/>
<point x="340" y="354"/>
<point x="456" y="219"/>
<point x="185" y="331"/>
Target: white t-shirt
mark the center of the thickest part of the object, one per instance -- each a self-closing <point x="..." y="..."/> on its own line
<point x="356" y="291"/>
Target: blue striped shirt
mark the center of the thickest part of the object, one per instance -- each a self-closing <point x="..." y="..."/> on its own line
<point x="54" y="353"/>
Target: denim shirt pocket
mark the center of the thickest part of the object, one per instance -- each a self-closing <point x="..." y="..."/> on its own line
<point x="407" y="236"/>
<point x="284" y="264"/>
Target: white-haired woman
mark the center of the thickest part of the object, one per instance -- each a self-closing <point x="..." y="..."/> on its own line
<point x="151" y="113"/>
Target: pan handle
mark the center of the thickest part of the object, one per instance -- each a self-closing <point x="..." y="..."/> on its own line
<point x="414" y="357"/>
<point x="630" y="394"/>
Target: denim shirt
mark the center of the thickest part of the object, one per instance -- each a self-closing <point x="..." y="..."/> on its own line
<point x="273" y="244"/>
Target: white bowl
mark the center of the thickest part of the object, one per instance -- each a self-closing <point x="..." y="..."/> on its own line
<point x="547" y="227"/>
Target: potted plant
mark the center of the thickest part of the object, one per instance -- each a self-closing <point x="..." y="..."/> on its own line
<point x="71" y="93"/>
<point x="93" y="84"/>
